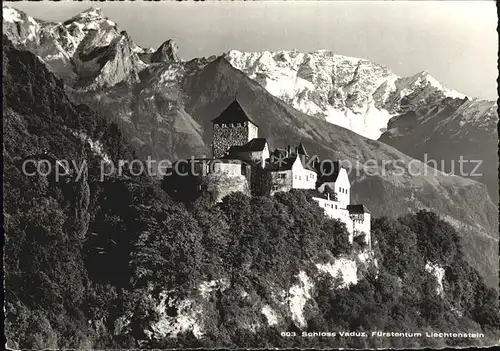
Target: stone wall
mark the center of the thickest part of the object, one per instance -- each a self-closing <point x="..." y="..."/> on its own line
<point x="227" y="135"/>
<point x="229" y="169"/>
<point x="222" y="184"/>
<point x="281" y="181"/>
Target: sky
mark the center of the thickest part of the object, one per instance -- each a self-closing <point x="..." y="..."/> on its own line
<point x="455" y="41"/>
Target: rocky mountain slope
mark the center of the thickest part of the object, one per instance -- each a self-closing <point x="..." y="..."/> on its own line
<point x="449" y="131"/>
<point x="350" y="92"/>
<point x="417" y="115"/>
<point x="412" y="113"/>
<point x="165" y="106"/>
<point x="87" y="50"/>
<point x="116" y="264"/>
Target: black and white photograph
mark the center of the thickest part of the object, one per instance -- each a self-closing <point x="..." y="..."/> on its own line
<point x="250" y="175"/>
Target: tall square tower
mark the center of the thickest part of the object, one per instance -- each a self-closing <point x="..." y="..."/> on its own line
<point x="233" y="127"/>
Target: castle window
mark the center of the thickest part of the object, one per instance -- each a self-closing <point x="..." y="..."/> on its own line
<point x="283" y="175"/>
<point x="335" y="206"/>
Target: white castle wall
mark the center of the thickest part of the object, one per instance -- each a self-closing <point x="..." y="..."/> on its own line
<point x="302" y="178"/>
<point x="364" y="227"/>
<point x="296" y="178"/>
<point x="230" y="169"/>
<point x="342" y="187"/>
<point x="333" y="210"/>
<point x="253" y="131"/>
<point x="226" y="178"/>
<point x="256" y="156"/>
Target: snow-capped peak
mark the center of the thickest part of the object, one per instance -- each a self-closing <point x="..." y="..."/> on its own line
<point x="22" y="27"/>
<point x="321" y="83"/>
<point x="351" y="92"/>
<point x="10" y="14"/>
<point x="90" y="19"/>
<point x="424" y="78"/>
<point x="90" y="14"/>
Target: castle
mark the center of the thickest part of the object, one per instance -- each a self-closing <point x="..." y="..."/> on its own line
<point x="236" y="148"/>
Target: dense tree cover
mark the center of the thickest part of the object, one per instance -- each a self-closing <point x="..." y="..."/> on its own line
<point x="401" y="295"/>
<point x="86" y="260"/>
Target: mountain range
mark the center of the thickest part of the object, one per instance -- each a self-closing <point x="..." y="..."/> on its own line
<point x="335" y="105"/>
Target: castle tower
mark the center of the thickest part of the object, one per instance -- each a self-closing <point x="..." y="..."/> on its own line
<point x="233" y="127"/>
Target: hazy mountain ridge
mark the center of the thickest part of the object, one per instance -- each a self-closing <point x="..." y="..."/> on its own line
<point x="96" y="277"/>
<point x="417" y="114"/>
<point x="450" y="131"/>
<point x="171" y="119"/>
<point x="87" y="50"/>
<point x="351" y="92"/>
<point x="232" y="288"/>
<point x="165" y="109"/>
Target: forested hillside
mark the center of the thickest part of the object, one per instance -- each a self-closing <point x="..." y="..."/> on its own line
<point x="164" y="107"/>
<point x="118" y="264"/>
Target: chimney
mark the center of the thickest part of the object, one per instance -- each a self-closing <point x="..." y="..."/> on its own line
<point x="287" y="150"/>
<point x="328" y="196"/>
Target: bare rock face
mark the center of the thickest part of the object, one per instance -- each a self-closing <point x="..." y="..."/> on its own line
<point x="335" y="88"/>
<point x="166" y="52"/>
<point x="19" y="27"/>
<point x="101" y="66"/>
<point x="82" y="201"/>
<point x="350" y="92"/>
<point x="87" y="50"/>
<point x="167" y="113"/>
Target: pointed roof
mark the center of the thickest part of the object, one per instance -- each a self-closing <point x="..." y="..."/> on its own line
<point x="234" y="113"/>
<point x="280" y="162"/>
<point x="256" y="144"/>
<point x="357" y="209"/>
<point x="301" y="150"/>
<point x="328" y="171"/>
